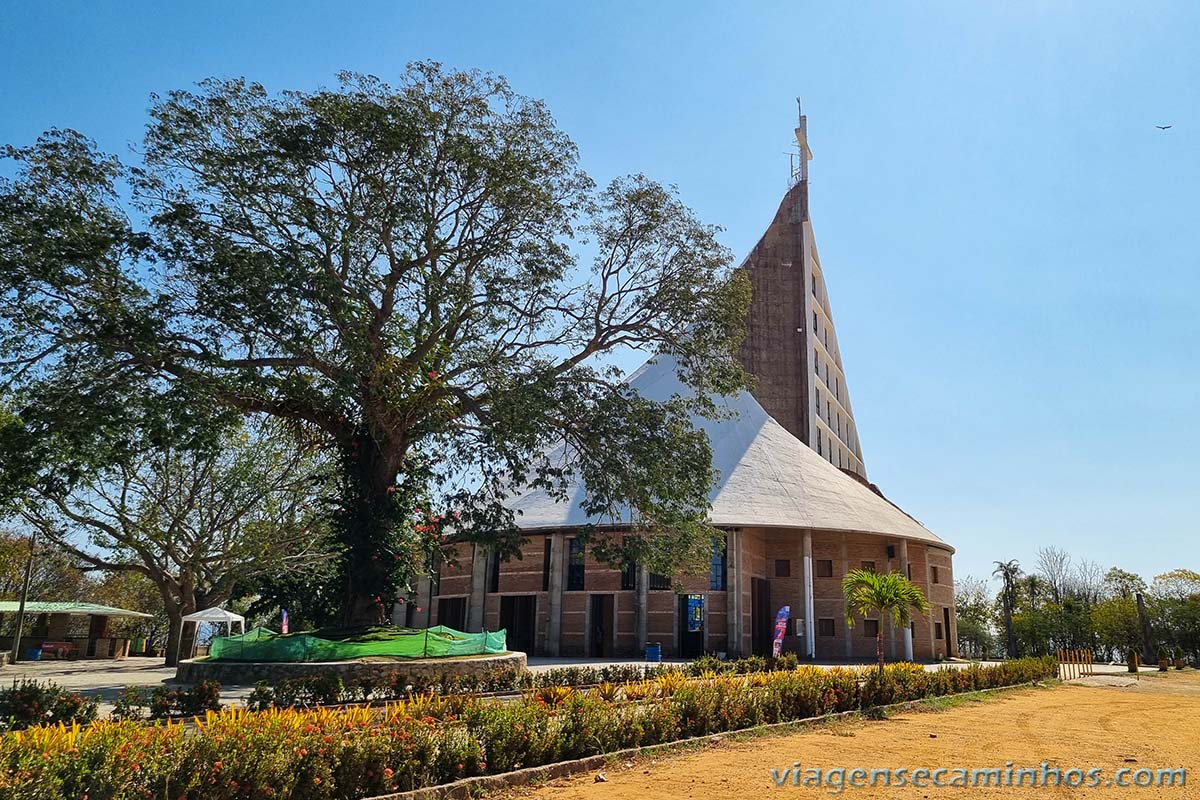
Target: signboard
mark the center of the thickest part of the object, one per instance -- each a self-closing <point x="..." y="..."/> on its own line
<point x="695" y="613"/>
<point x="781" y="620"/>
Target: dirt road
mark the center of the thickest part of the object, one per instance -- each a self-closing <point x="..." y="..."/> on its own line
<point x="1150" y="726"/>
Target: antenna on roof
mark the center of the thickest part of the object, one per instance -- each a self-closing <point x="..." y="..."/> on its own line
<point x="799" y="108"/>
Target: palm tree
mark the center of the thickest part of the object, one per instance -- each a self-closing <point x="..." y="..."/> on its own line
<point x="1036" y="588"/>
<point x="1010" y="573"/>
<point x="889" y="594"/>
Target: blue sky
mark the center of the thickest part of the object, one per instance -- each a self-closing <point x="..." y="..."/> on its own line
<point x="1010" y="244"/>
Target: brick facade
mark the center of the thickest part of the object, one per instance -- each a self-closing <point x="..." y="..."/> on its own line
<point x="774" y="556"/>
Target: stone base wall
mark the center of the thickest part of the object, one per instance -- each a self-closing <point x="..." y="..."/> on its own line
<point x="235" y="673"/>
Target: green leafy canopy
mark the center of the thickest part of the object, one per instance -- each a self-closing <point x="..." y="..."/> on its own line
<point x="392" y="270"/>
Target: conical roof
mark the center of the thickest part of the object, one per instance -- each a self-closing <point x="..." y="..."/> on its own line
<point x="766" y="476"/>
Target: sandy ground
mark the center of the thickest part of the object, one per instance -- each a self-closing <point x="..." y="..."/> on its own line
<point x="1152" y="724"/>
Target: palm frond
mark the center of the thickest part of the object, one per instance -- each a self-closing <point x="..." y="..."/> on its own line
<point x="890" y="594"/>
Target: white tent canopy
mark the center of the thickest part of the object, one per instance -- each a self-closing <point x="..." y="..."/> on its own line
<point x="766" y="476"/>
<point x="214" y="616"/>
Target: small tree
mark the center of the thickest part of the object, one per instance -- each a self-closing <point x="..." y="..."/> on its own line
<point x="1122" y="583"/>
<point x="194" y="524"/>
<point x="56" y="574"/>
<point x="1117" y="624"/>
<point x="890" y="594"/>
<point x="1010" y="573"/>
<point x="133" y="590"/>
<point x="975" y="612"/>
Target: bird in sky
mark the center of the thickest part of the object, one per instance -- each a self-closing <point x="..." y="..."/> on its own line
<point x="1164" y="127"/>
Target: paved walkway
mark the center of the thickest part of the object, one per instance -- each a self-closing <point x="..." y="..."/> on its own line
<point x="93" y="677"/>
<point x="104" y="679"/>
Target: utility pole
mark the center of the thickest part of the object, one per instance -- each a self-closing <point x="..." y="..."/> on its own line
<point x="16" y="648"/>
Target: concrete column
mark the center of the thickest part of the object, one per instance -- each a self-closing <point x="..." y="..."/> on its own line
<point x="554" y="616"/>
<point x="479" y="570"/>
<point x="952" y="635"/>
<point x="908" y="644"/>
<point x="643" y="606"/>
<point x="842" y="622"/>
<point x="933" y="642"/>
<point x="733" y="593"/>
<point x="422" y="601"/>
<point x="810" y="624"/>
<point x="419" y="602"/>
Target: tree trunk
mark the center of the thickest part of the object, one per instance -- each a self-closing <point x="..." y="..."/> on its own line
<point x="1010" y="644"/>
<point x="1149" y="653"/>
<point x="174" y="646"/>
<point x="370" y="522"/>
<point x="179" y="636"/>
<point x="879" y="647"/>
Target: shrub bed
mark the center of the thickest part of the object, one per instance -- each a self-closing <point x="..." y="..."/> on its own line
<point x="332" y="690"/>
<point x="162" y="702"/>
<point x="29" y="703"/>
<point x="431" y="739"/>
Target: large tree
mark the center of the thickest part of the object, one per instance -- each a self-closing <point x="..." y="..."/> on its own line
<point x="194" y="524"/>
<point x="395" y="271"/>
<point x="1054" y="570"/>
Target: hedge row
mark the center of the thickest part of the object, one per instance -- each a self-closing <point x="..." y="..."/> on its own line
<point x="324" y="690"/>
<point x="431" y="739"/>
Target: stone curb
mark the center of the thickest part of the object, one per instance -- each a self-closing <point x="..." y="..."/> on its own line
<point x="482" y="784"/>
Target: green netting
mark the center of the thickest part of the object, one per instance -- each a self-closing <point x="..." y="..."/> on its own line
<point x="260" y="644"/>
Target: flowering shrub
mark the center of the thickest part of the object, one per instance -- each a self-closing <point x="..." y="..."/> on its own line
<point x="163" y="702"/>
<point x="32" y="703"/>
<point x="430" y="739"/>
<point x="330" y="690"/>
<point x="299" y="693"/>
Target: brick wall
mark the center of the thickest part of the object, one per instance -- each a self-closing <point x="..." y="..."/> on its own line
<point x="776" y="346"/>
<point x="761" y="549"/>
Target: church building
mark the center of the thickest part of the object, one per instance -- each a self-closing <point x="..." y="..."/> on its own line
<point x="792" y="497"/>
